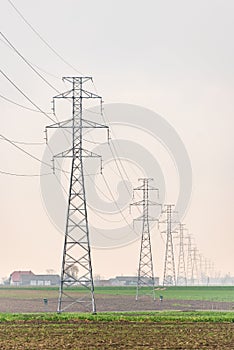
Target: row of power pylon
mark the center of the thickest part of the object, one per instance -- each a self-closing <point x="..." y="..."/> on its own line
<point x="183" y="265"/>
<point x="76" y="263"/>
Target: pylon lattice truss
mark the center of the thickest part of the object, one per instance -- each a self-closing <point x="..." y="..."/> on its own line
<point x="169" y="275"/>
<point x="195" y="274"/>
<point x="76" y="263"/>
<point x="145" y="270"/>
<point x="181" y="272"/>
<point x="189" y="273"/>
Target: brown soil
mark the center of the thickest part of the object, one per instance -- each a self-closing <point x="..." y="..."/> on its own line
<point x="27" y="303"/>
<point x="80" y="335"/>
<point x="83" y="335"/>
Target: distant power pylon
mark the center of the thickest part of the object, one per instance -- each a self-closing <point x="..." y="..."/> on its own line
<point x="145" y="270"/>
<point x="210" y="271"/>
<point x="201" y="268"/>
<point x="189" y="273"/>
<point x="169" y="276"/>
<point x="181" y="273"/>
<point x="195" y="274"/>
<point x="76" y="264"/>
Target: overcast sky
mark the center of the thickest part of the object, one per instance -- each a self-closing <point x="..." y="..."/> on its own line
<point x="173" y="57"/>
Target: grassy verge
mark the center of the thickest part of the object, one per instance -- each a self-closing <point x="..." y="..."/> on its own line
<point x="161" y="316"/>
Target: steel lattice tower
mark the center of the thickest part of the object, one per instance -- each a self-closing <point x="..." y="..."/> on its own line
<point x="190" y="279"/>
<point x="169" y="276"/>
<point x="181" y="273"/>
<point x="195" y="276"/>
<point x="201" y="266"/>
<point x="76" y="263"/>
<point x="145" y="270"/>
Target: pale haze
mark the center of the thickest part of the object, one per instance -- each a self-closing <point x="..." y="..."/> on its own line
<point x="173" y="57"/>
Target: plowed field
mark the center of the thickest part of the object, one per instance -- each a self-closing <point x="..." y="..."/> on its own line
<point x="78" y="334"/>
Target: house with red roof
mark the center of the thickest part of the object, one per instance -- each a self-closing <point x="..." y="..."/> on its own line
<point x="28" y="278"/>
<point x="16" y="277"/>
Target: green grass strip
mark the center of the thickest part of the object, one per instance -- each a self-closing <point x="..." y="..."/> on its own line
<point x="160" y="316"/>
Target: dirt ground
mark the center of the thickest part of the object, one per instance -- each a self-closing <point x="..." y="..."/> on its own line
<point x="83" y="335"/>
<point x="108" y="303"/>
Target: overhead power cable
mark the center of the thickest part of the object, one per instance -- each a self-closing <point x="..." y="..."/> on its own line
<point x="30" y="154"/>
<point x="23" y="150"/>
<point x="23" y="175"/>
<point x="114" y="150"/>
<point x="30" y="65"/>
<point x="19" y="105"/>
<point x="33" y="64"/>
<point x="43" y="40"/>
<point x="46" y="114"/>
<point x="117" y="206"/>
<point x="34" y="104"/>
<point x="116" y="160"/>
<point x="27" y="62"/>
<point x="26" y="143"/>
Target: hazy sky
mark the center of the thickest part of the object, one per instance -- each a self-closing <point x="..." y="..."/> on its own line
<point x="173" y="57"/>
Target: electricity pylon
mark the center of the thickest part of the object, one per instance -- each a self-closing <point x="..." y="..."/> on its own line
<point x="181" y="272"/>
<point x="145" y="276"/>
<point x="169" y="275"/>
<point x="190" y="279"/>
<point x="76" y="263"/>
<point x="202" y="267"/>
<point x="195" y="276"/>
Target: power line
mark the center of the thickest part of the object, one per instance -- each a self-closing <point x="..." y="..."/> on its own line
<point x="23" y="175"/>
<point x="67" y="63"/>
<point x="29" y="64"/>
<point x="33" y="64"/>
<point x="45" y="71"/>
<point x="46" y="81"/>
<point x="14" y="143"/>
<point x="117" y="206"/>
<point x="27" y="143"/>
<point x="93" y="142"/>
<point x="117" y="159"/>
<point x="30" y="154"/>
<point x="114" y="151"/>
<point x="42" y="39"/>
<point x="34" y="104"/>
<point x="23" y="150"/>
<point x="18" y="104"/>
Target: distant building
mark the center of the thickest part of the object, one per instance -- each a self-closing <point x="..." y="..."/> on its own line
<point x="123" y="281"/>
<point x="16" y="277"/>
<point x="103" y="283"/>
<point x="40" y="280"/>
<point x="28" y="278"/>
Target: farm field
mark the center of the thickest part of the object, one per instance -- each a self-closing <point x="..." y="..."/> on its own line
<point x="217" y="293"/>
<point x="121" y="322"/>
<point x="121" y="299"/>
<point x="160" y="330"/>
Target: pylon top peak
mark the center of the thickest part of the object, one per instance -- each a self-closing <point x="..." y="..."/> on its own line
<point x="75" y="78"/>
